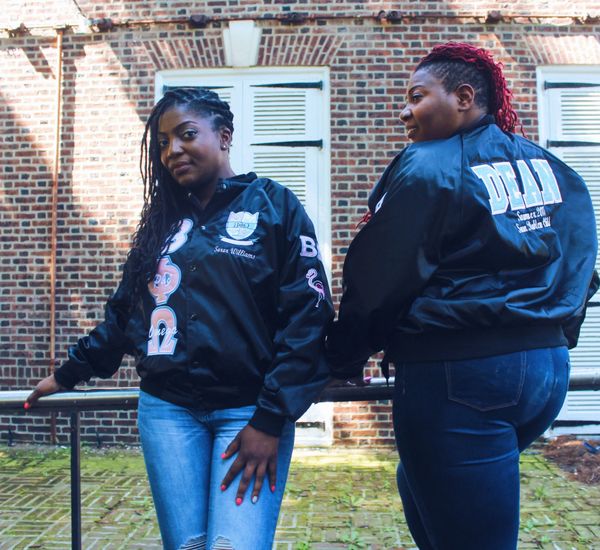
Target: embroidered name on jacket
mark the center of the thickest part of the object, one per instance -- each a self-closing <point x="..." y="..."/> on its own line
<point x="523" y="192"/>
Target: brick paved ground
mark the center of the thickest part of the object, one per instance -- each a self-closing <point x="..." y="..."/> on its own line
<point x="334" y="499"/>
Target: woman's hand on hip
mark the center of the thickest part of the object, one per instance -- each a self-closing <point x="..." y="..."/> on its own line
<point x="46" y="386"/>
<point x="256" y="456"/>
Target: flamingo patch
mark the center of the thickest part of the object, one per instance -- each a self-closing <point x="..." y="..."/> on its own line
<point x="316" y="285"/>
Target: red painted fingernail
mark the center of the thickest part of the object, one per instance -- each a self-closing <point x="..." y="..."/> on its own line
<point x="223" y="455"/>
<point x="238" y="500"/>
<point x="223" y="487"/>
<point x="272" y="488"/>
<point x="26" y="406"/>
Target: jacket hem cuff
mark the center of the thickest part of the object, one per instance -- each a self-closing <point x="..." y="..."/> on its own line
<point x="66" y="380"/>
<point x="471" y="343"/>
<point x="267" y="422"/>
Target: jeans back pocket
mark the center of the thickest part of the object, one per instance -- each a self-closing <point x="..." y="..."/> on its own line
<point x="487" y="383"/>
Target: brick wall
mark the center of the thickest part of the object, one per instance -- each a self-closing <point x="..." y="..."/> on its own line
<point x="45" y="11"/>
<point x="108" y="92"/>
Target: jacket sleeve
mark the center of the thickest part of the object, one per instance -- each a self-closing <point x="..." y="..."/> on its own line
<point x="572" y="326"/>
<point x="101" y="351"/>
<point x="299" y="371"/>
<point x="388" y="264"/>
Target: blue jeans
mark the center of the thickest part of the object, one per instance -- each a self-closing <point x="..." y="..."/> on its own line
<point x="460" y="426"/>
<point x="182" y="449"/>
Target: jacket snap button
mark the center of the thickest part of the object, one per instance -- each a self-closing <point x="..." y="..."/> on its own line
<point x="193" y="267"/>
<point x="194" y="317"/>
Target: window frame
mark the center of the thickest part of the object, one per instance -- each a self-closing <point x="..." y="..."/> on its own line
<point x="579" y="406"/>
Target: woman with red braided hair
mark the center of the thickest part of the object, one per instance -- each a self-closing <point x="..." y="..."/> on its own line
<point x="472" y="274"/>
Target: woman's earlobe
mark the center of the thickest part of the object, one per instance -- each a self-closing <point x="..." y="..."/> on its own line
<point x="225" y="143"/>
<point x="225" y="138"/>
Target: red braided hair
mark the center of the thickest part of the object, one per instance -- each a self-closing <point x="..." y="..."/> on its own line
<point x="499" y="97"/>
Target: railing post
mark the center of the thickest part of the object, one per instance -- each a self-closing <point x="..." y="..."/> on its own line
<point x="75" y="483"/>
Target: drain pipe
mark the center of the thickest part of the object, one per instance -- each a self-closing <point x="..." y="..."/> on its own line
<point x="54" y="214"/>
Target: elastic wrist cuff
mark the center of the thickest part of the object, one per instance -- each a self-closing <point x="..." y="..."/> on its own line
<point x="267" y="422"/>
<point x="66" y="380"/>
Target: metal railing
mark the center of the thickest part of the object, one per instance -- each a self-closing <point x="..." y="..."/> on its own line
<point x="75" y="402"/>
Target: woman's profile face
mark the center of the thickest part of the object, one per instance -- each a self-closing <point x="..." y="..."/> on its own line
<point x="190" y="149"/>
<point x="430" y="112"/>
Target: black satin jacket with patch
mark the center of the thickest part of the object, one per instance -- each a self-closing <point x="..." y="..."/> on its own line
<point x="236" y="314"/>
<point x="478" y="245"/>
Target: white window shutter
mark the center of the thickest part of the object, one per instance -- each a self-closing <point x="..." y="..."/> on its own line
<point x="279" y="112"/>
<point x="286" y="167"/>
<point x="570" y="128"/>
<point x="578" y="114"/>
<point x="285" y="139"/>
<point x="585" y="406"/>
<point x="224" y="91"/>
<point x="586" y="162"/>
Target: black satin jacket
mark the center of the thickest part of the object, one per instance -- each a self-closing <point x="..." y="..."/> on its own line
<point x="478" y="245"/>
<point x="236" y="314"/>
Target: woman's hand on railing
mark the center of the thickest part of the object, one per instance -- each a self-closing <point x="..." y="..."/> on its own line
<point x="45" y="386"/>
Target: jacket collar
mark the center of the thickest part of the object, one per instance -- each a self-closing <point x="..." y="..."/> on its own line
<point x="227" y="189"/>
<point x="485" y="120"/>
<point x="240" y="182"/>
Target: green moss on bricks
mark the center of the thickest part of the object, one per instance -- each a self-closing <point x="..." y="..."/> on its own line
<point x="334" y="499"/>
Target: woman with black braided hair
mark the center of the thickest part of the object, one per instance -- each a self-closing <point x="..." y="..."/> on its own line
<point x="471" y="273"/>
<point x="221" y="306"/>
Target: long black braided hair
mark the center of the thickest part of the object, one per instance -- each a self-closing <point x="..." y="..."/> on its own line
<point x="165" y="202"/>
